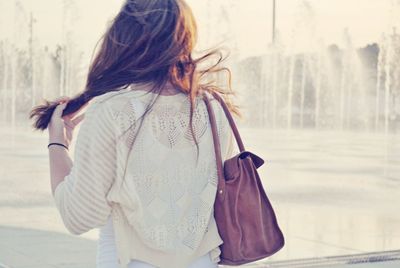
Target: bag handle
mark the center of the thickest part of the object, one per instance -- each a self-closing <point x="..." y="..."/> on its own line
<point x="216" y="141"/>
<point x="231" y="121"/>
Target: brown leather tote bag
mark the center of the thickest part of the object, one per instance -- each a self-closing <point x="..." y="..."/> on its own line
<point x="245" y="218"/>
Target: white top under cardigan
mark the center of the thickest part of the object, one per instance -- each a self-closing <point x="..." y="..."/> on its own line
<point x="162" y="206"/>
<point x="106" y="256"/>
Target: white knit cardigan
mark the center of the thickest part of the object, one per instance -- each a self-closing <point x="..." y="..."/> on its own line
<point x="162" y="204"/>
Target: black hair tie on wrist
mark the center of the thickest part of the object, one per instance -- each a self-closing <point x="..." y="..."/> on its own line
<point x="56" y="143"/>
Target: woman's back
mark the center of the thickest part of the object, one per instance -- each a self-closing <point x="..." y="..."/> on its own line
<point x="165" y="195"/>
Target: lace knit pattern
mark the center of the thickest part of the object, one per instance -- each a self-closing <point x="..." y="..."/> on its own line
<point x="151" y="175"/>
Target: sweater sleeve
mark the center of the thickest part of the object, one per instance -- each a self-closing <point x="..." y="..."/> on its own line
<point x="81" y="197"/>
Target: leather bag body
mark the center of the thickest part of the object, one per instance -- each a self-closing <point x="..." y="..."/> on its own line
<point x="245" y="218"/>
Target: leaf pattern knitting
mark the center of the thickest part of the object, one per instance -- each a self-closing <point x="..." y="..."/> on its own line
<point x="166" y="196"/>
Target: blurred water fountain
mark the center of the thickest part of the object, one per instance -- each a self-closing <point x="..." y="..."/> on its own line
<point x="323" y="87"/>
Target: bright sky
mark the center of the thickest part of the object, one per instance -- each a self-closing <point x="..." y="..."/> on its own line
<point x="299" y="22"/>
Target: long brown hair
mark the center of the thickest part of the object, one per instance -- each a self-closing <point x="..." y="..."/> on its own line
<point x="148" y="41"/>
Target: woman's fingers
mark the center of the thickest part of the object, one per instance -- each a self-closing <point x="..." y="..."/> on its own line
<point x="69" y="124"/>
<point x="72" y="123"/>
<point x="62" y="98"/>
<point x="59" y="109"/>
<point x="61" y="104"/>
<point x="70" y="116"/>
<point x="78" y="119"/>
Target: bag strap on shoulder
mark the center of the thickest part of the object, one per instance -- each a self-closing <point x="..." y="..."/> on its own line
<point x="231" y="121"/>
<point x="216" y="140"/>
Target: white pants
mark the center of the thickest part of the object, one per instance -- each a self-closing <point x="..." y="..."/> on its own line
<point x="107" y="253"/>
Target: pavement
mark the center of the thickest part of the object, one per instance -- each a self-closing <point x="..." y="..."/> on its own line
<point x="335" y="196"/>
<point x="388" y="259"/>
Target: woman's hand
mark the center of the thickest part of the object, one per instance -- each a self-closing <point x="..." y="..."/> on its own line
<point x="61" y="128"/>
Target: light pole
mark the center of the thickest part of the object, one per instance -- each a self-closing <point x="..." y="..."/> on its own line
<point x="273" y="21"/>
<point x="274" y="67"/>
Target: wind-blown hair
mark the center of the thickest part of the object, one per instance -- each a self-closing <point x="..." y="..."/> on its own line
<point x="149" y="41"/>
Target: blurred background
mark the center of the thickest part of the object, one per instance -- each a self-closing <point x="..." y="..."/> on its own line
<point x="321" y="65"/>
<point x="319" y="86"/>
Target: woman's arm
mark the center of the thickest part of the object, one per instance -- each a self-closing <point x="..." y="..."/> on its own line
<point x="61" y="131"/>
<point x="60" y="164"/>
<point x="80" y="190"/>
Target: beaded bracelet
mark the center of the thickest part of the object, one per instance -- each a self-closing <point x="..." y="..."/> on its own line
<point x="56" y="143"/>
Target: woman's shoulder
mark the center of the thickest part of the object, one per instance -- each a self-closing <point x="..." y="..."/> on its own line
<point x="112" y="95"/>
<point x="116" y="99"/>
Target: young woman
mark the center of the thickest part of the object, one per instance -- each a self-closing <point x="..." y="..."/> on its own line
<point x="144" y="169"/>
